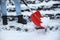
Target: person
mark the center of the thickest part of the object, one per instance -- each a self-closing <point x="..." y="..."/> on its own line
<point x="18" y="11"/>
<point x="4" y="11"/>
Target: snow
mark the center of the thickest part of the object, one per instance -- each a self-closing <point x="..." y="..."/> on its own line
<point x="14" y="35"/>
<point x="32" y="34"/>
<point x="42" y="12"/>
<point x="7" y="33"/>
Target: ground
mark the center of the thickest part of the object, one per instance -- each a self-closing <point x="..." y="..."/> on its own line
<point x="52" y="31"/>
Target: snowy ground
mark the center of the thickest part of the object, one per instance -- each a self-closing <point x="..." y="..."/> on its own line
<point x="14" y="35"/>
<point x="7" y="33"/>
<point x="32" y="33"/>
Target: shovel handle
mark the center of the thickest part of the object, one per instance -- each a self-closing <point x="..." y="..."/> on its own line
<point x="27" y="5"/>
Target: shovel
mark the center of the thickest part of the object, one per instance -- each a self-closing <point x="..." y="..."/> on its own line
<point x="35" y="17"/>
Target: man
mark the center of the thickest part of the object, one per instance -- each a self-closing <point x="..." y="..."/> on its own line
<point x="18" y="11"/>
<point x="4" y="12"/>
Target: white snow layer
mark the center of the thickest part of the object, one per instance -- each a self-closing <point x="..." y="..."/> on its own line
<point x="35" y="34"/>
<point x="15" y="35"/>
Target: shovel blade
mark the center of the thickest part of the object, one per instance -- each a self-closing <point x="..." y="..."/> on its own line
<point x="35" y="17"/>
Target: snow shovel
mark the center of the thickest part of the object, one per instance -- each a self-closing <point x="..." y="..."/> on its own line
<point x="35" y="17"/>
